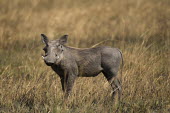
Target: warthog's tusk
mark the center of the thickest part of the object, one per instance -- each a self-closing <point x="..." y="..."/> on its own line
<point x="43" y="57"/>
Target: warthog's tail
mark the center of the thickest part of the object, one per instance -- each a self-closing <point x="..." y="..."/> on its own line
<point x="104" y="41"/>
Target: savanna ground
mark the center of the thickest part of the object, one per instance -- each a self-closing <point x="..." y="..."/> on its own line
<point x="140" y="28"/>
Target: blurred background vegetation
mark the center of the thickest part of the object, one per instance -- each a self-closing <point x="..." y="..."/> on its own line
<point x="140" y="28"/>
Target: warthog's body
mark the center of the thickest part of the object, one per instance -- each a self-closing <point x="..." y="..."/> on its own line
<point x="88" y="62"/>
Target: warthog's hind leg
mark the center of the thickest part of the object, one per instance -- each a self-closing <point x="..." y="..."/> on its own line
<point x="115" y="84"/>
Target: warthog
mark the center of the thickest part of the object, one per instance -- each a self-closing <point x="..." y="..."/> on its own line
<point x="70" y="63"/>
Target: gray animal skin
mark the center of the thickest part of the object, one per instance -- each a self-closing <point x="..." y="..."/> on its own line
<point x="70" y="63"/>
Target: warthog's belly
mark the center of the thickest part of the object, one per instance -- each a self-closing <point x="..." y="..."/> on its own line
<point x="89" y="71"/>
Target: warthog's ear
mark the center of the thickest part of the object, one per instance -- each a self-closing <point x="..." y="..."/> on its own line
<point x="63" y="39"/>
<point x="44" y="39"/>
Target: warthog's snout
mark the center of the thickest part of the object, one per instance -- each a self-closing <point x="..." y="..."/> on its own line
<point x="47" y="61"/>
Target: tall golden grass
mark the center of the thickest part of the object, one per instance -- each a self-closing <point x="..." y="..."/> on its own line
<point x="140" y="28"/>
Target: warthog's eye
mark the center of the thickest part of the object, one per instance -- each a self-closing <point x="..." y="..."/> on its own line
<point x="57" y="46"/>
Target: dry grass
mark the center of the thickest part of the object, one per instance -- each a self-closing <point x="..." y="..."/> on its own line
<point x="140" y="28"/>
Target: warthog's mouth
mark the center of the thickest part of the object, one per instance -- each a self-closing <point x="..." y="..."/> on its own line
<point x="47" y="63"/>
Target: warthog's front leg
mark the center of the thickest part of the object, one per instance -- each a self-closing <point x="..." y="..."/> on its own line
<point x="62" y="83"/>
<point x="67" y="82"/>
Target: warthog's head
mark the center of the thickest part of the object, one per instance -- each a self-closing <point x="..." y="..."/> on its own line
<point x="53" y="50"/>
